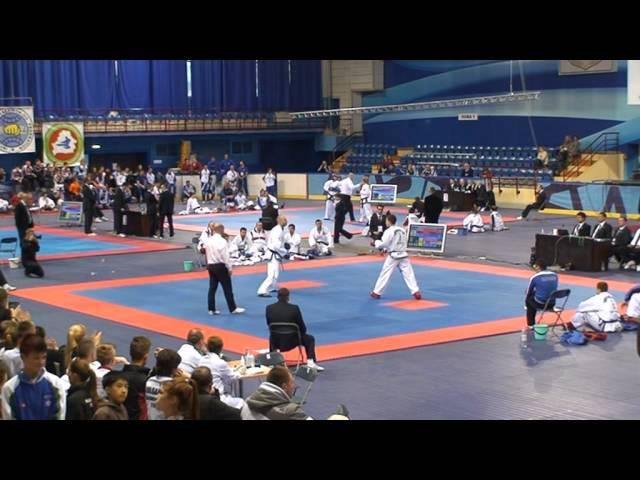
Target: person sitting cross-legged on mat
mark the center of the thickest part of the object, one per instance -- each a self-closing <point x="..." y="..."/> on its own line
<point x="599" y="313"/>
<point x="541" y="285"/>
<point x="473" y="222"/>
<point x="320" y="240"/>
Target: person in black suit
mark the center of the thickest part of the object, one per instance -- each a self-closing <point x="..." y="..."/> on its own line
<point x="269" y="216"/>
<point x="119" y="204"/>
<point x="88" y="204"/>
<point x="152" y="210"/>
<point x="166" y="210"/>
<point x="23" y="217"/>
<point x="582" y="228"/>
<point x="284" y="312"/>
<point x="432" y="207"/>
<point x="29" y="248"/>
<point x="541" y="198"/>
<point x="621" y="238"/>
<point x="342" y="207"/>
<point x="418" y="207"/>
<point x="377" y="224"/>
<point x="602" y="229"/>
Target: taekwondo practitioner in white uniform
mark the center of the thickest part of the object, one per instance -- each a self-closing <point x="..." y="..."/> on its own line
<point x="258" y="240"/>
<point x="331" y="187"/>
<point x="206" y="234"/>
<point x="293" y="239"/>
<point x="394" y="243"/>
<point x="365" y="197"/>
<point x="276" y="250"/>
<point x="473" y="222"/>
<point x="193" y="206"/>
<point x="320" y="240"/>
<point x="241" y="244"/>
<point x="599" y="312"/>
<point x="264" y="198"/>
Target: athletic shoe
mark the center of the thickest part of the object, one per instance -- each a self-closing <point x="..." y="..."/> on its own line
<point x="91" y="234"/>
<point x="104" y="219"/>
<point x="314" y="365"/>
<point x="155" y="236"/>
<point x="238" y="310"/>
<point x="97" y="220"/>
<point x="8" y="288"/>
<point x="266" y="295"/>
<point x="417" y="296"/>
<point x="375" y="295"/>
<point x="519" y="218"/>
<point x="214" y="312"/>
<point x="122" y="235"/>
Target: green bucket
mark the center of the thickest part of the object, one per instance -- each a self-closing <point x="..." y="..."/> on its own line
<point x="540" y="331"/>
<point x="188" y="266"/>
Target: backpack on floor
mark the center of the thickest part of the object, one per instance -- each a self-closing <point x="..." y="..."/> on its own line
<point x="573" y="338"/>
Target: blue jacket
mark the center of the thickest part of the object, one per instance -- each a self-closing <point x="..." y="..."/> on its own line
<point x="43" y="398"/>
<point x="541" y="285"/>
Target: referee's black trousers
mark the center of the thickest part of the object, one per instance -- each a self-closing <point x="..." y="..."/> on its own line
<point x="218" y="273"/>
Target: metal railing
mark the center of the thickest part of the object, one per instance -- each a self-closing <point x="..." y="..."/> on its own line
<point x="605" y="142"/>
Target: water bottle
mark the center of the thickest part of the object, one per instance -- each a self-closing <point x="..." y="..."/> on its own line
<point x="243" y="360"/>
<point x="250" y="360"/>
<point x="523" y="339"/>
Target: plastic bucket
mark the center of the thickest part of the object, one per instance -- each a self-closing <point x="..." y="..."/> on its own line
<point x="188" y="266"/>
<point x="540" y="331"/>
<point x="14" y="262"/>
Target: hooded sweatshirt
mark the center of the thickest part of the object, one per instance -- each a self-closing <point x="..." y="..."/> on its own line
<point x="271" y="402"/>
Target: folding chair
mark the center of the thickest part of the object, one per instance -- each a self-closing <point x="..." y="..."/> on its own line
<point x="199" y="257"/>
<point x="309" y="375"/>
<point x="9" y="245"/>
<point x="270" y="359"/>
<point x="555" y="309"/>
<point x="287" y="329"/>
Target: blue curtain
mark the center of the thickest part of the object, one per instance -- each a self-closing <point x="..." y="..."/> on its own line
<point x="56" y="87"/>
<point x="96" y="85"/>
<point x="306" y="85"/>
<point x="273" y="81"/>
<point x="239" y="86"/>
<point x="169" y="86"/>
<point x="133" y="86"/>
<point x="206" y="86"/>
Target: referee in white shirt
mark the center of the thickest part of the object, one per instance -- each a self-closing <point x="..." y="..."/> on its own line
<point x="219" y="267"/>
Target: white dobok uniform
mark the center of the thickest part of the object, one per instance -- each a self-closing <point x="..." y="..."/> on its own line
<point x="322" y="241"/>
<point x="331" y="187"/>
<point x="365" y="206"/>
<point x="473" y="223"/>
<point x="258" y="242"/>
<point x="497" y="223"/>
<point x="394" y="242"/>
<point x="275" y="252"/>
<point x="240" y="246"/>
<point x="294" y="242"/>
<point x="600" y="312"/>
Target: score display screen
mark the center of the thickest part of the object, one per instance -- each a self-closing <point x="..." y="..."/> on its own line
<point x="427" y="237"/>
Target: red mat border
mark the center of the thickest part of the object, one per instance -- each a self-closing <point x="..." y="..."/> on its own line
<point x="137" y="245"/>
<point x="63" y="296"/>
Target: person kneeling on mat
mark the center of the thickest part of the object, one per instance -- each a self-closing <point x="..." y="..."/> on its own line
<point x="29" y="248"/>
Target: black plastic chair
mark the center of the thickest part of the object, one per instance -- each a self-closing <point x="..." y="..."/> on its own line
<point x="309" y="375"/>
<point x="287" y="329"/>
<point x="270" y="359"/>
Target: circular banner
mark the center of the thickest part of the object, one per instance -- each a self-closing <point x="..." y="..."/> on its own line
<point x="63" y="144"/>
<point x="16" y="130"/>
